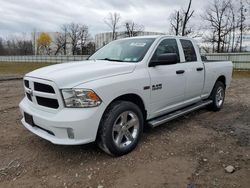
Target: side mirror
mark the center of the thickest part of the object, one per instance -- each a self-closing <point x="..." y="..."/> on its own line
<point x="164" y="59"/>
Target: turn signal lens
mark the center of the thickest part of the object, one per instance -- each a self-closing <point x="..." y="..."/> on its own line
<point x="93" y="96"/>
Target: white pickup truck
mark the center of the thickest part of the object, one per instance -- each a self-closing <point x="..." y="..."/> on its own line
<point x="124" y="86"/>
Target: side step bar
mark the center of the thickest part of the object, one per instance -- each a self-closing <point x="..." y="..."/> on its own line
<point x="168" y="117"/>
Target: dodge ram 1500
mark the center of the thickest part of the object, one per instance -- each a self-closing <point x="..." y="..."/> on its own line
<point x="123" y="87"/>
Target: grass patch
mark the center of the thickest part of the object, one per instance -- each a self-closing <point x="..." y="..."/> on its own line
<point x="241" y="74"/>
<point x="20" y="68"/>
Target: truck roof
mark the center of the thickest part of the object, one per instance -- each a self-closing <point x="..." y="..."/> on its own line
<point x="156" y="36"/>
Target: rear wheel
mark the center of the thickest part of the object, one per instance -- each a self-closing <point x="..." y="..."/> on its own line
<point x="120" y="128"/>
<point x="217" y="96"/>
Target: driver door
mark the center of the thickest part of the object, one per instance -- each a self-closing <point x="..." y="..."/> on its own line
<point x="168" y="82"/>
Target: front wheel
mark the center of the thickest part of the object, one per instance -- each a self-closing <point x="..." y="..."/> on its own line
<point x="120" y="128"/>
<point x="217" y="96"/>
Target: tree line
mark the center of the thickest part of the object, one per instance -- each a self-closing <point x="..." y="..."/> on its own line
<point x="72" y="39"/>
<point x="16" y="46"/>
<point x="224" y="25"/>
<point x="223" y="28"/>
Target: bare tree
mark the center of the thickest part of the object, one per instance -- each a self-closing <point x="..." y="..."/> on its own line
<point x="113" y="21"/>
<point x="59" y="43"/>
<point x="176" y="21"/>
<point x="61" y="40"/>
<point x="83" y="37"/>
<point x="179" y="20"/>
<point x="133" y="29"/>
<point x="24" y="47"/>
<point x="242" y="25"/>
<point x="227" y="22"/>
<point x="216" y="16"/>
<point x="187" y="16"/>
<point x="234" y="26"/>
<point x="77" y="35"/>
<point x="90" y="48"/>
<point x="2" y="50"/>
<point x="64" y="38"/>
<point x="74" y="34"/>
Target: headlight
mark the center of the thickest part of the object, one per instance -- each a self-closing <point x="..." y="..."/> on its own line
<point x="80" y="98"/>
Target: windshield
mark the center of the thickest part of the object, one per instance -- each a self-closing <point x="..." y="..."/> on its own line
<point x="130" y="50"/>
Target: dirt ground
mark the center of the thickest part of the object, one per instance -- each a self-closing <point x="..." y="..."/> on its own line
<point x="194" y="150"/>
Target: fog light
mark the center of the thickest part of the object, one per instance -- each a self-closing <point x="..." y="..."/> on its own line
<point x="70" y="133"/>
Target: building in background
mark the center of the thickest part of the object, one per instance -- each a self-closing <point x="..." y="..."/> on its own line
<point x="246" y="42"/>
<point x="102" y="39"/>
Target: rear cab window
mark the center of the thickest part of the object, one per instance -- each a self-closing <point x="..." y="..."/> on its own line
<point x="188" y="49"/>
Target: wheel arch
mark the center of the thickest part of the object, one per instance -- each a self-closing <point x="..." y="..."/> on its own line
<point x="134" y="98"/>
<point x="222" y="79"/>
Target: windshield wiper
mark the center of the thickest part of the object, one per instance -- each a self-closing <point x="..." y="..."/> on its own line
<point x="108" y="59"/>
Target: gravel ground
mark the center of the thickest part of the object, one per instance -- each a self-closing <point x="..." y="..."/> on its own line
<point x="194" y="149"/>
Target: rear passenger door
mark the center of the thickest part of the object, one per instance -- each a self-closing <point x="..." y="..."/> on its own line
<point x="194" y="73"/>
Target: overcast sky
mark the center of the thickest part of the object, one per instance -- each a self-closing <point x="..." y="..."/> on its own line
<point x="47" y="15"/>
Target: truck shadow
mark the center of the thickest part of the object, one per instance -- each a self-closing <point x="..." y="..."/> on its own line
<point x="92" y="151"/>
<point x="175" y="124"/>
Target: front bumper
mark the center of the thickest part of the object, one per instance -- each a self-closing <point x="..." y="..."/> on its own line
<point x="54" y="126"/>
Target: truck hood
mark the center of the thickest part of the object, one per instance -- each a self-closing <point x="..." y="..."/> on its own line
<point x="68" y="75"/>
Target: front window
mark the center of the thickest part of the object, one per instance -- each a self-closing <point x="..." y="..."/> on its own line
<point x="165" y="47"/>
<point x="129" y="50"/>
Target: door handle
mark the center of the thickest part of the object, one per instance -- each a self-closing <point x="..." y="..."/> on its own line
<point x="199" y="69"/>
<point x="180" y="71"/>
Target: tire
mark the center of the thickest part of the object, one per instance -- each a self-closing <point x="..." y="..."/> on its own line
<point x="121" y="128"/>
<point x="217" y="96"/>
